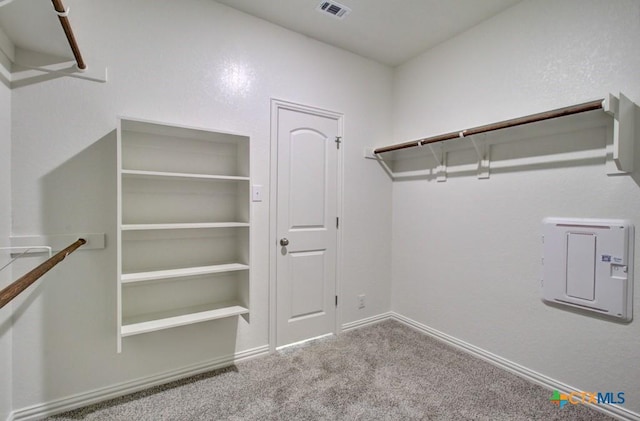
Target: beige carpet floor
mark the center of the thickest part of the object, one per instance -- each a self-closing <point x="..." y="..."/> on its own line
<point x="385" y="371"/>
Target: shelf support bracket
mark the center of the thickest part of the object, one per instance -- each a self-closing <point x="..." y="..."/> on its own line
<point x="384" y="165"/>
<point x="56" y="242"/>
<point x="483" y="151"/>
<point x="441" y="158"/>
<point x="369" y="153"/>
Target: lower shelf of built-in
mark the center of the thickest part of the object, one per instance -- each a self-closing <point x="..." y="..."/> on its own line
<point x="165" y="320"/>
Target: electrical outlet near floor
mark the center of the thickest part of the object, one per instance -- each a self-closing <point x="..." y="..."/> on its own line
<point x="361" y="303"/>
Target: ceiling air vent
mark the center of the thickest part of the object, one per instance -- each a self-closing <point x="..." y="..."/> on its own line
<point x="334" y="9"/>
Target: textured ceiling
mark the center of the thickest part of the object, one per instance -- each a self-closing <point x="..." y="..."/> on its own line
<point x="388" y="31"/>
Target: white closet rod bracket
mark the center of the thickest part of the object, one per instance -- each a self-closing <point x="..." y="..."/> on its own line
<point x="625" y="134"/>
<point x="369" y="153"/>
<point x="435" y="155"/>
<point x="25" y="250"/>
<point x="483" y="153"/>
<point x="441" y="159"/>
<point x="64" y="13"/>
<point x="384" y="165"/>
<point x="94" y="241"/>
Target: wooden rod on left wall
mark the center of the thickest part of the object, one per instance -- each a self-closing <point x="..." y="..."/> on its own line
<point x="64" y="21"/>
<point x="13" y="290"/>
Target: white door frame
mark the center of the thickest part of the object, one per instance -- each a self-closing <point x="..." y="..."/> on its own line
<point x="276" y="106"/>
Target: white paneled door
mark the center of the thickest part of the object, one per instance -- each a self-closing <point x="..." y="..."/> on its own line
<point x="307" y="195"/>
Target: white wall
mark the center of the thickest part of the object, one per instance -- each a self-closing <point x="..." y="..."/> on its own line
<point x="466" y="252"/>
<point x="195" y="63"/>
<point x="5" y="229"/>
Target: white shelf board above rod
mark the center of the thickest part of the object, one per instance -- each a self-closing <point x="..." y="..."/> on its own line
<point x="31" y="64"/>
<point x="625" y="135"/>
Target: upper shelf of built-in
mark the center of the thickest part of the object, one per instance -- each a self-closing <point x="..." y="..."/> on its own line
<point x="149" y="150"/>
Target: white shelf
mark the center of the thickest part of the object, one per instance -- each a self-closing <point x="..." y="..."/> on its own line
<point x="161" y="174"/>
<point x="180" y="273"/>
<point x="165" y="320"/>
<point x="183" y="203"/>
<point x="177" y="226"/>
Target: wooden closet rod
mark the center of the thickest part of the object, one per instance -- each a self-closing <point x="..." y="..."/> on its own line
<point x="13" y="290"/>
<point x="547" y="115"/>
<point x="64" y="21"/>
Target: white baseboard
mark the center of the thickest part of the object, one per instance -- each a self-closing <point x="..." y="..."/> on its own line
<point x="98" y="395"/>
<point x="87" y="398"/>
<point x="510" y="366"/>
<point x="367" y="321"/>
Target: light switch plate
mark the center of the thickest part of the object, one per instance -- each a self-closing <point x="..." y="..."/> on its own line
<point x="256" y="193"/>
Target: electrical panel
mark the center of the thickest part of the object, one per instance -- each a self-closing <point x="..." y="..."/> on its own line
<point x="588" y="264"/>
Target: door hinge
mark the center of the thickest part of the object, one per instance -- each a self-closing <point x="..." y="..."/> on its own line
<point x="338" y="141"/>
<point x="336" y="301"/>
<point x="337" y="222"/>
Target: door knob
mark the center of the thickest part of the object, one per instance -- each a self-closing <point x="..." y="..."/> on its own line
<point x="284" y="242"/>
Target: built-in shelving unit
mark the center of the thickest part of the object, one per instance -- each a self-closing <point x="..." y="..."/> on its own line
<point x="183" y="226"/>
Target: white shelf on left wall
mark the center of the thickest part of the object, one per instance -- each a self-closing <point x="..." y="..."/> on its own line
<point x="177" y="226"/>
<point x="183" y="226"/>
<point x="180" y="317"/>
<point x="127" y="278"/>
